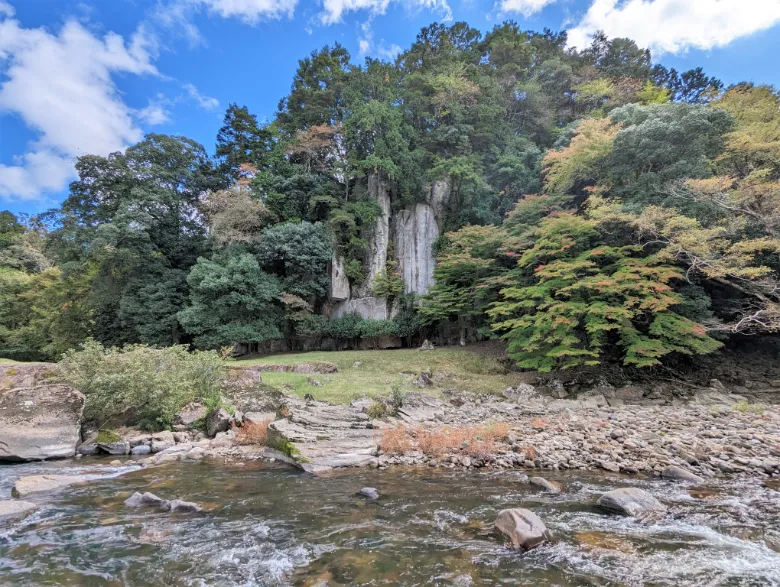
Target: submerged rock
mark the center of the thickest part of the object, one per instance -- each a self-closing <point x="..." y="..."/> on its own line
<point x="41" y="422"/>
<point x="144" y="499"/>
<point x="550" y="486"/>
<point x="680" y="474"/>
<point x="11" y="508"/>
<point x="630" y="501"/>
<point x="173" y="506"/>
<point x="522" y="527"/>
<point x="41" y="483"/>
<point x="369" y="492"/>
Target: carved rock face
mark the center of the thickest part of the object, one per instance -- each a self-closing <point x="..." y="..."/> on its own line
<point x="416" y="231"/>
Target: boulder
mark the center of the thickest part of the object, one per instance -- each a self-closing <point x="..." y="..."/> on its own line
<point x="680" y="474"/>
<point x="184" y="507"/>
<point x="88" y="449"/>
<point x="522" y="527"/>
<point x="189" y="415"/>
<point x="25" y="486"/>
<point x="427" y="345"/>
<point x="119" y="447"/>
<point x="550" y="486"/>
<point x="630" y="501"/>
<point x="218" y="421"/>
<point x="146" y="499"/>
<point x="162" y="440"/>
<point x="11" y="508"/>
<point x="41" y="422"/>
<point x="141" y="449"/>
<point x="369" y="492"/>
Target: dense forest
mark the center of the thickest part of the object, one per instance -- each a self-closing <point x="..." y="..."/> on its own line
<point x="602" y="207"/>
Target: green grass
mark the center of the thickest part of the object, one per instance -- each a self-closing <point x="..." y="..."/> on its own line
<point x="458" y="369"/>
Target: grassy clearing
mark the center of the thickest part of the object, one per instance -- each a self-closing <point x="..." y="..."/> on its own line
<point x="458" y="369"/>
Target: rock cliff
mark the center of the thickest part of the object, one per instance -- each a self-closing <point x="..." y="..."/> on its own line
<point x="411" y="233"/>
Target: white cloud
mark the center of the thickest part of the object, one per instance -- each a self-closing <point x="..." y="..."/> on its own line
<point x="204" y="102"/>
<point x="6" y="9"/>
<point x="61" y="86"/>
<point x="672" y="26"/>
<point x="249" y="11"/>
<point x="156" y="112"/>
<point x="524" y="7"/>
<point x="334" y="10"/>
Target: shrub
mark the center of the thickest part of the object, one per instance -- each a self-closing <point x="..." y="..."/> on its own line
<point x="140" y="384"/>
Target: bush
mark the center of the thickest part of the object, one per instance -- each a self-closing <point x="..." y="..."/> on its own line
<point x="139" y="384"/>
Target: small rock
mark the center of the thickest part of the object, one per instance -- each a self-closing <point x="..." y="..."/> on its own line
<point x="11" y="508"/>
<point x="115" y="463"/>
<point x="314" y="382"/>
<point x="522" y="527"/>
<point x="179" y="437"/>
<point x="369" y="492"/>
<point x="680" y="474"/>
<point x="427" y="346"/>
<point x="357" y="363"/>
<point x="630" y="501"/>
<point x="550" y="486"/>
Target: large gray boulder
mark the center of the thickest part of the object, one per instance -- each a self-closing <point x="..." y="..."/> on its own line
<point x="630" y="501"/>
<point x="12" y="508"/>
<point x="680" y="474"/>
<point x="522" y="527"/>
<point x="40" y="422"/>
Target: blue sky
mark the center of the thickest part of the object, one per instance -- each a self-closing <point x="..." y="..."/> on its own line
<point x="92" y="76"/>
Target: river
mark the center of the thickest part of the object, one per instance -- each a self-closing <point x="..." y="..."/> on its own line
<point x="267" y="524"/>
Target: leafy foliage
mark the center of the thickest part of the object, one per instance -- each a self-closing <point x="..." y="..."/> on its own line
<point x="140" y="384"/>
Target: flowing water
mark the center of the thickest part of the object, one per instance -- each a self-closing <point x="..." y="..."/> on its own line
<point x="266" y="524"/>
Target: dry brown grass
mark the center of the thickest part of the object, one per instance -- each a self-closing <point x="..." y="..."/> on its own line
<point x="253" y="433"/>
<point x="396" y="441"/>
<point x="476" y="441"/>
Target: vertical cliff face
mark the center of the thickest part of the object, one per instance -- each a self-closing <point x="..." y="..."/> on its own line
<point x="413" y="232"/>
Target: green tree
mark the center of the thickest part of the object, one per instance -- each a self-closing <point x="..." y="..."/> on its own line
<point x="232" y="300"/>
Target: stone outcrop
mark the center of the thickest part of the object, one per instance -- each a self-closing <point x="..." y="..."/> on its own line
<point x="40" y="422"/>
<point x="523" y="528"/>
<point x="317" y="436"/>
<point x="630" y="501"/>
<point x="25" y="486"/>
<point x="376" y="261"/>
<point x="320" y="367"/>
<point x="339" y="284"/>
<point x="369" y="307"/>
<point x="412" y="232"/>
